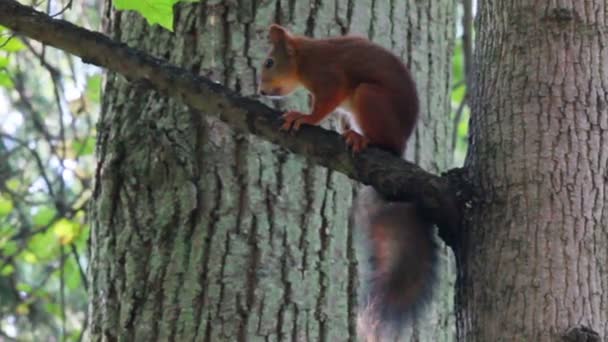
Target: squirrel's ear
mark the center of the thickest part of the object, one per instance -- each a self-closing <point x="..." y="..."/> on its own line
<point x="278" y="35"/>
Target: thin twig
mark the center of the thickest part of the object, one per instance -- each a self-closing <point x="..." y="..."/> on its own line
<point x="37" y="158"/>
<point x="457" y="119"/>
<point x="11" y="36"/>
<point x="467" y="41"/>
<point x="83" y="275"/>
<point x="62" y="290"/>
<point x="51" y="68"/>
<point x="65" y="8"/>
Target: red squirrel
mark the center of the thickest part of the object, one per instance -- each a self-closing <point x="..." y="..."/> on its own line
<point x="376" y="89"/>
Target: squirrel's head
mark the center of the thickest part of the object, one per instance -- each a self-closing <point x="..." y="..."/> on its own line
<point x="279" y="75"/>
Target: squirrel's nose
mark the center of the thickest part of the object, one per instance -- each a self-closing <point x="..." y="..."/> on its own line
<point x="263" y="92"/>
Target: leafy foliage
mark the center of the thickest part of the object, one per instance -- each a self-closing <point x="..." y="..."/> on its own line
<point x="8" y="45"/>
<point x="460" y="108"/>
<point x="48" y="104"/>
<point x="155" y="11"/>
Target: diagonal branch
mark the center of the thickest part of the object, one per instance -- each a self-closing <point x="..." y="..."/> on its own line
<point x="393" y="177"/>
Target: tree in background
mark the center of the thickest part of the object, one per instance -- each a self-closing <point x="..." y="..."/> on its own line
<point x="536" y="246"/>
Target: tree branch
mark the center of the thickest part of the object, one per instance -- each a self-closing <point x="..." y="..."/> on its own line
<point x="393" y="177"/>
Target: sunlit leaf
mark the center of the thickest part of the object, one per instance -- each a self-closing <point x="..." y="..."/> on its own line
<point x="24" y="287"/>
<point x="9" y="248"/>
<point x="7" y="270"/>
<point x="6" y="206"/>
<point x="463" y="127"/>
<point x="41" y="293"/>
<point x="458" y="64"/>
<point x="72" y="274"/>
<point x="94" y="88"/>
<point x="44" y="216"/>
<point x="83" y="235"/>
<point x="458" y="95"/>
<point x="84" y="148"/>
<point x="13" y="185"/>
<point x="53" y="308"/>
<point x="155" y="11"/>
<point x="30" y="257"/>
<point x="11" y="44"/>
<point x="65" y="230"/>
<point x="5" y="80"/>
<point x="6" y="231"/>
<point x="44" y="246"/>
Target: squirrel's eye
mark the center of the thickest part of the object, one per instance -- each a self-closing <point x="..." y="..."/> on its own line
<point x="269" y="63"/>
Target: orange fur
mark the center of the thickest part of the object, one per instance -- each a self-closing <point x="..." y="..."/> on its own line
<point x="350" y="72"/>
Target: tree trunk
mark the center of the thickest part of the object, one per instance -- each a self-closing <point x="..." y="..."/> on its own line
<point x="199" y="233"/>
<point x="537" y="240"/>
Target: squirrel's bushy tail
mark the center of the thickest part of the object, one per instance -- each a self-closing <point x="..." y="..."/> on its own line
<point x="398" y="268"/>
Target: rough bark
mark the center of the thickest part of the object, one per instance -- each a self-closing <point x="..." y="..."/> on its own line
<point x="537" y="240"/>
<point x="201" y="233"/>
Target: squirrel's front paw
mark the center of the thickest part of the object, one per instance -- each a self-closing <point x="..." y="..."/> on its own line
<point x="355" y="141"/>
<point x="293" y="120"/>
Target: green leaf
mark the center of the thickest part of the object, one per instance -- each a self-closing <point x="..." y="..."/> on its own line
<point x="155" y="11"/>
<point x="5" y="81"/>
<point x="94" y="88"/>
<point x="458" y="64"/>
<point x="53" y="308"/>
<point x="11" y="44"/>
<point x="66" y="230"/>
<point x="72" y="274"/>
<point x="13" y="185"/>
<point x="83" y="236"/>
<point x="24" y="287"/>
<point x="458" y="95"/>
<point x="29" y="257"/>
<point x="43" y="246"/>
<point x="463" y="127"/>
<point x="7" y="270"/>
<point x="44" y="216"/>
<point x="6" y="232"/>
<point x="84" y="148"/>
<point x="6" y="206"/>
<point x="9" y="248"/>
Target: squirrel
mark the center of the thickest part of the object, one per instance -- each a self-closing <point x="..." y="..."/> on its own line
<point x="376" y="90"/>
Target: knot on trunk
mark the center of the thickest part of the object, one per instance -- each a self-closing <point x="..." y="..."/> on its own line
<point x="581" y="334"/>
